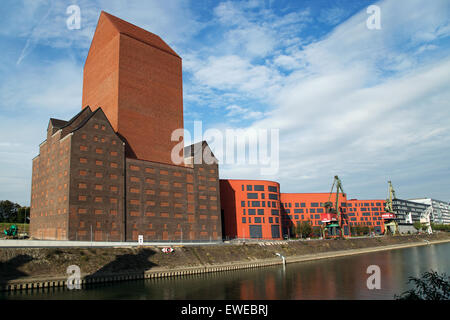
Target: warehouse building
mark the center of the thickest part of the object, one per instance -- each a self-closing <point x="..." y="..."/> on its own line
<point x="107" y="173"/>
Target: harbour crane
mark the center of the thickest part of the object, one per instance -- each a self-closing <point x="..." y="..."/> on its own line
<point x="390" y="220"/>
<point x="331" y="209"/>
<point x="426" y="220"/>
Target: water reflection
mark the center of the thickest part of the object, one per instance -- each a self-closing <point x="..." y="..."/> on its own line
<point x="339" y="278"/>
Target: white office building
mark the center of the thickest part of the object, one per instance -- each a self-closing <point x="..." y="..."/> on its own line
<point x="441" y="209"/>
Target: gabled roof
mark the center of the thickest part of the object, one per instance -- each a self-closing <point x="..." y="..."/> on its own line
<point x="75" y="117"/>
<point x="137" y="33"/>
<point x="196" y="149"/>
<point x="57" y="123"/>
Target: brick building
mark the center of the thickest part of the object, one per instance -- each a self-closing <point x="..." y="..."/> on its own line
<point x="108" y="174"/>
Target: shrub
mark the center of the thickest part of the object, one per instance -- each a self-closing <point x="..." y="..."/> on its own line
<point x="430" y="286"/>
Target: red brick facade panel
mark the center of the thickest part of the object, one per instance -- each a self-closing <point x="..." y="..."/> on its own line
<point x="97" y="182"/>
<point x="137" y="80"/>
<point x="50" y="189"/>
<point x="163" y="202"/>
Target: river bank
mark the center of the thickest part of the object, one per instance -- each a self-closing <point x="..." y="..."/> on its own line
<point x="26" y="268"/>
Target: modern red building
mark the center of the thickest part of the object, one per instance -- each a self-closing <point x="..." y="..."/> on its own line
<point x="256" y="209"/>
<point x="251" y="209"/>
<point x="298" y="207"/>
<point x="366" y="213"/>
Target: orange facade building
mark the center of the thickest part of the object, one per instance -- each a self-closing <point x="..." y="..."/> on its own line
<point x="366" y="213"/>
<point x="244" y="200"/>
<point x="251" y="209"/>
<point x="298" y="207"/>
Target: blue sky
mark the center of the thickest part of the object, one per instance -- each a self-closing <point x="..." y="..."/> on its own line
<point x="368" y="105"/>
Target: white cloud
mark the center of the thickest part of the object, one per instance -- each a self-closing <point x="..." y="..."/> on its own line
<point x="243" y="113"/>
<point x="358" y="104"/>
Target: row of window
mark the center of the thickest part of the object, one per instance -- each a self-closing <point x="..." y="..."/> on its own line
<point x="366" y="204"/>
<point x="318" y="210"/>
<point x="296" y="217"/>
<point x="270" y="204"/>
<point x="250" y="212"/>
<point x="259" y="220"/>
<point x="257" y="187"/>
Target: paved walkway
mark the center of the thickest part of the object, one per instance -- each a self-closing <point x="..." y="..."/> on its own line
<point x="79" y="244"/>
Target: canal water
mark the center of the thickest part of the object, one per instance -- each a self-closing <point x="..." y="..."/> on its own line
<point x="337" y="278"/>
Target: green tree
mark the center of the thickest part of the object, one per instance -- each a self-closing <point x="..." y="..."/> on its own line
<point x="22" y="214"/>
<point x="430" y="286"/>
<point x="417" y="225"/>
<point x="12" y="212"/>
<point x="304" y="229"/>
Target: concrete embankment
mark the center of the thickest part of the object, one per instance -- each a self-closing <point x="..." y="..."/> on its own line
<point x="36" y="268"/>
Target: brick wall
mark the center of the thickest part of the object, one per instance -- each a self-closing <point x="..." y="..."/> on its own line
<point x="97" y="182"/>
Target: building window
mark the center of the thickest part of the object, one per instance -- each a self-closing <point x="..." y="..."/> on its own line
<point x="255" y="204"/>
<point x="272" y="189"/>
<point x="319" y="210"/>
<point x="273" y="196"/>
<point x="252" y="196"/>
<point x="262" y="196"/>
<point x="251" y="212"/>
<point x="263" y="203"/>
<point x="303" y="204"/>
<point x="275" y="229"/>
<point x="260" y="212"/>
<point x="257" y="220"/>
<point x="275" y="212"/>
<point x="242" y="187"/>
<point x="255" y="231"/>
<point x="258" y="188"/>
<point x="242" y="203"/>
<point x="314" y="204"/>
<point x="270" y="220"/>
<point x="244" y="220"/>
<point x="249" y="188"/>
<point x="312" y="210"/>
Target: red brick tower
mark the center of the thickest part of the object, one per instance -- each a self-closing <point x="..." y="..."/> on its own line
<point x="136" y="78"/>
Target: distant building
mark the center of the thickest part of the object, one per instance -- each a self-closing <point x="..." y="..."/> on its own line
<point x="408" y="212"/>
<point x="441" y="209"/>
